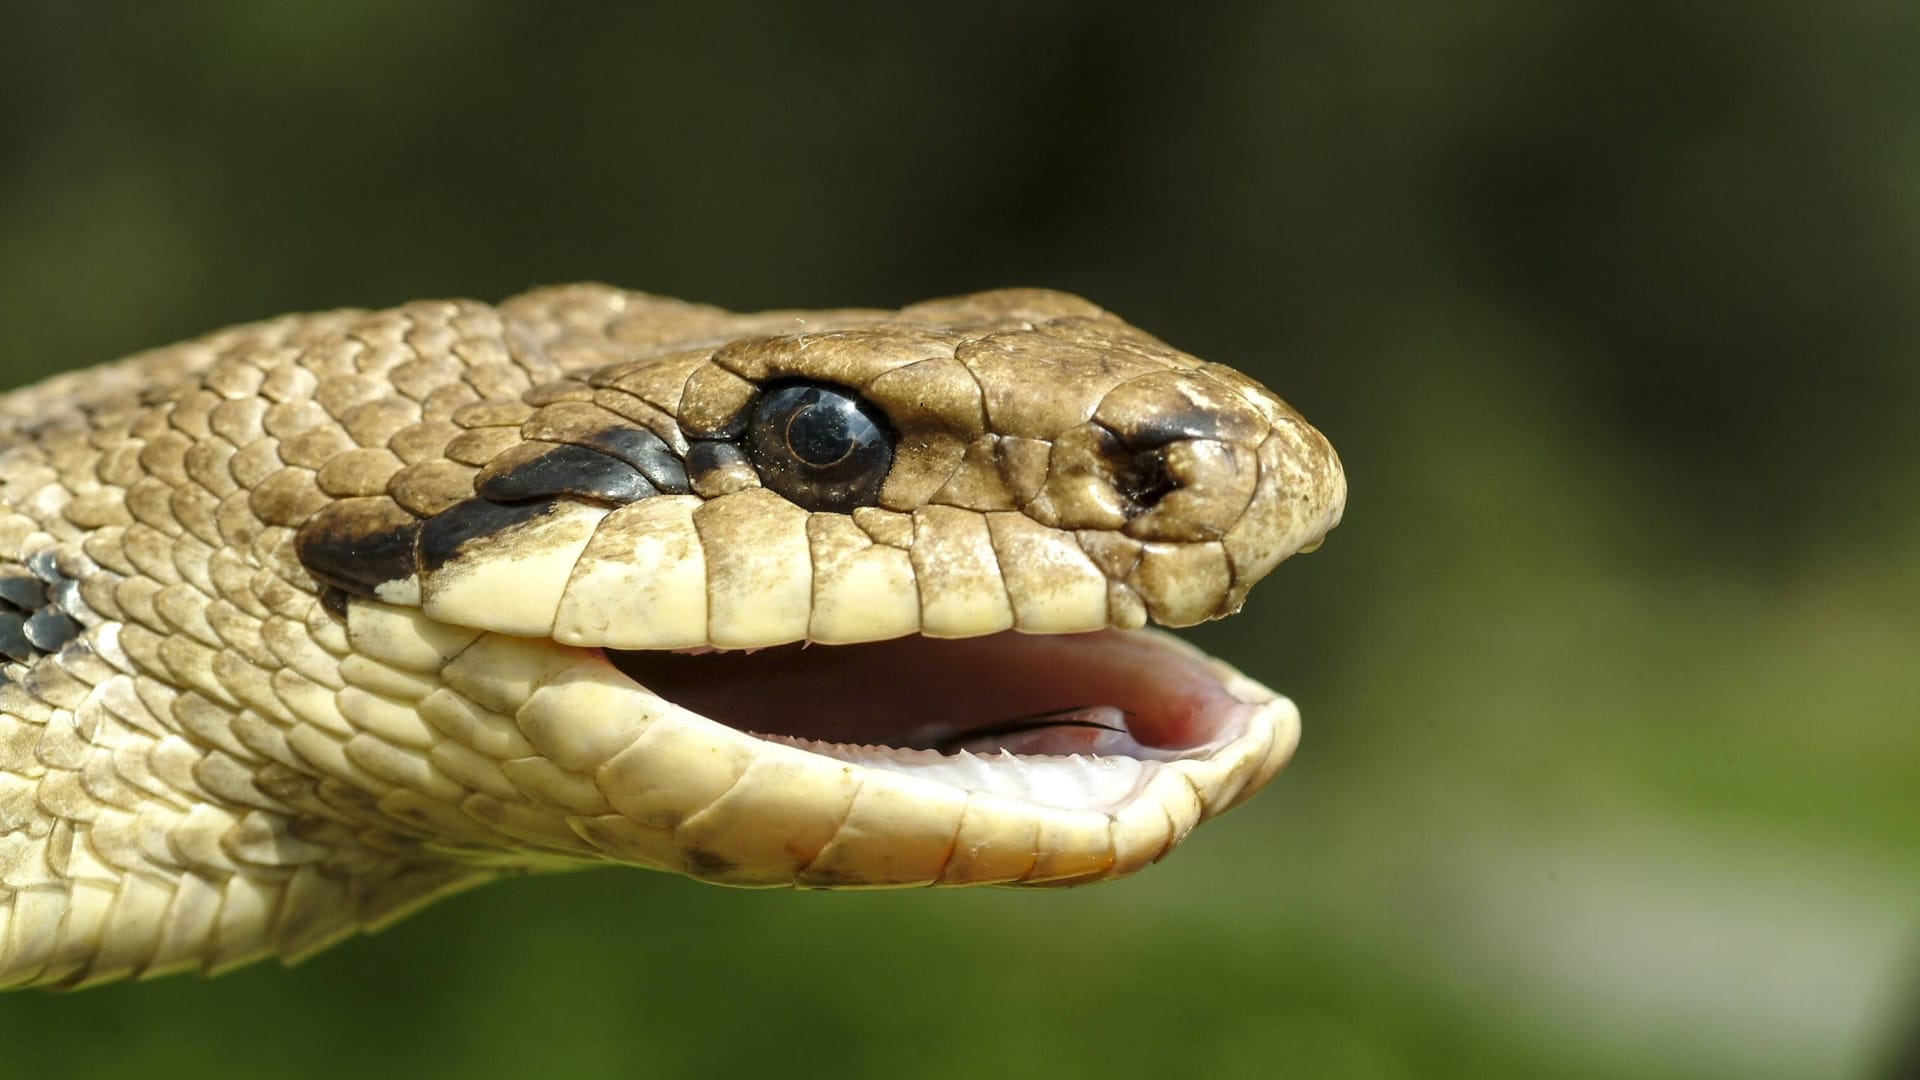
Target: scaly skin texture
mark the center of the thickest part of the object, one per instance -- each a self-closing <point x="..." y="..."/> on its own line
<point x="277" y="673"/>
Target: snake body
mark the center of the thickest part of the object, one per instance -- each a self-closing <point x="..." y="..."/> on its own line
<point x="308" y="622"/>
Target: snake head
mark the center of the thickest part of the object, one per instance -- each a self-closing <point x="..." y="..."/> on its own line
<point x="848" y="597"/>
<point x="306" y="622"/>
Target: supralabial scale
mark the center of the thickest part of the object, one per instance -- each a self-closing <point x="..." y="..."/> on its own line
<point x="306" y="623"/>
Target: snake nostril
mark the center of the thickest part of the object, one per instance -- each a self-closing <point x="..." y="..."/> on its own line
<point x="1135" y="463"/>
<point x="1142" y="478"/>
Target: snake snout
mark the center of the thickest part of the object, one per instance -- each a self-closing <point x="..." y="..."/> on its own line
<point x="1215" y="478"/>
<point x="1184" y="486"/>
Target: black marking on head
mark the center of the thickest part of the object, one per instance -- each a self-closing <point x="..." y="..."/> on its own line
<point x="40" y="607"/>
<point x="13" y="637"/>
<point x="20" y="590"/>
<point x="334" y="599"/>
<point x="50" y="628"/>
<point x="358" y="544"/>
<point x="645" y="451"/>
<point x="562" y="469"/>
<point x="446" y="532"/>
<point x="706" y="457"/>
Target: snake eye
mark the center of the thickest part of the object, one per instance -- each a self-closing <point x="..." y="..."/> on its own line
<point x="819" y="446"/>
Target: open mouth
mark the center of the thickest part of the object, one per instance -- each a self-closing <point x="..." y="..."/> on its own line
<point x="1073" y="721"/>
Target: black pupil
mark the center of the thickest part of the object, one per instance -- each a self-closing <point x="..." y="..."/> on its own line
<point x="820" y="433"/>
<point x="821" y="446"/>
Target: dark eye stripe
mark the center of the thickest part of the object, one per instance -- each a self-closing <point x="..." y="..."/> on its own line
<point x="564" y="469"/>
<point x="819" y="446"/>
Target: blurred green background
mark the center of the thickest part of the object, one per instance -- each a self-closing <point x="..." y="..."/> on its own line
<point x="1611" y="679"/>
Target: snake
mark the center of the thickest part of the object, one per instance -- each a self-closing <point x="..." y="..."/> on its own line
<point x="309" y="622"/>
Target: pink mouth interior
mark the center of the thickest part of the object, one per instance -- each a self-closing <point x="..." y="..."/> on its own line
<point x="928" y="693"/>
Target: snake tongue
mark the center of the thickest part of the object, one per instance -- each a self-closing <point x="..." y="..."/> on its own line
<point x="1097" y="731"/>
